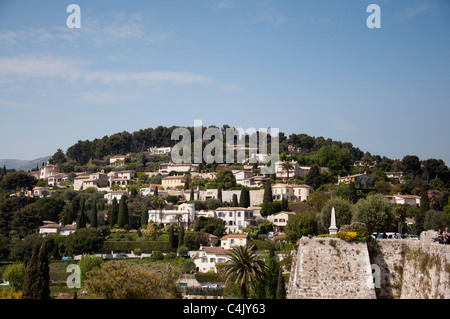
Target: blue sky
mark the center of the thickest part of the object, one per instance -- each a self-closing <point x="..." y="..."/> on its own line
<point x="301" y="66"/>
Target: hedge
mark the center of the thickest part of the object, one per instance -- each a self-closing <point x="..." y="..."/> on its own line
<point x="207" y="277"/>
<point x="145" y="246"/>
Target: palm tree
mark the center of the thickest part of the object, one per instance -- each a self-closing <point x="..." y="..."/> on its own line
<point x="243" y="267"/>
<point x="287" y="166"/>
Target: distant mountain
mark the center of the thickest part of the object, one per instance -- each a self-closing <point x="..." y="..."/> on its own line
<point x="23" y="164"/>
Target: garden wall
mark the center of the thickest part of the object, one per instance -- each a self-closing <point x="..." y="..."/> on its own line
<point x="333" y="268"/>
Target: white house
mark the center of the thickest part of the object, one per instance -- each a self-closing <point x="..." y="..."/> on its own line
<point x="242" y="175"/>
<point x="185" y="215"/>
<point x="159" y="150"/>
<point x="236" y="218"/>
<point x="115" y="195"/>
<point x="412" y="200"/>
<point x="41" y="191"/>
<point x="118" y="160"/>
<point x="166" y="168"/>
<point x="280" y="219"/>
<point x="360" y="180"/>
<point x="206" y="258"/>
<point x="293" y="193"/>
<point x="55" y="180"/>
<point x="47" y="170"/>
<point x="396" y="175"/>
<point x="231" y="240"/>
<point x="50" y="227"/>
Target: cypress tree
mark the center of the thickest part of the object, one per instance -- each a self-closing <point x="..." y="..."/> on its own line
<point x="281" y="287"/>
<point x="219" y="193"/>
<point x="235" y="201"/>
<point x="155" y="192"/>
<point x="94" y="221"/>
<point x="267" y="198"/>
<point x="43" y="272"/>
<point x="31" y="276"/>
<point x="81" y="221"/>
<point x="181" y="237"/>
<point x="244" y="200"/>
<point x="172" y="240"/>
<point x="192" y="195"/>
<point x="114" y="212"/>
<point x="122" y="220"/>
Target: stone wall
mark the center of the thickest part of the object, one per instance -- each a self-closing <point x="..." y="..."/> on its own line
<point x="333" y="268"/>
<point x="325" y="268"/>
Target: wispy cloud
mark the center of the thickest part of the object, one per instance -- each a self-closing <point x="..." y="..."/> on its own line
<point x="97" y="32"/>
<point x="62" y="68"/>
<point x="269" y="17"/>
<point x="220" y="4"/>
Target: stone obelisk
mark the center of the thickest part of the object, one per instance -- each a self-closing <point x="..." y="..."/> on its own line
<point x="333" y="229"/>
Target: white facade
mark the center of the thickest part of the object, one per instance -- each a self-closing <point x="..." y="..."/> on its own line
<point x="232" y="240"/>
<point x="159" y="150"/>
<point x="186" y="215"/>
<point x="280" y="219"/>
<point x="206" y="258"/>
<point x="236" y="218"/>
<point x="293" y="193"/>
<point x="165" y="168"/>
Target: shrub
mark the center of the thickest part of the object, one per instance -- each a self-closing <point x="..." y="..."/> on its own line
<point x="88" y="262"/>
<point x="15" y="275"/>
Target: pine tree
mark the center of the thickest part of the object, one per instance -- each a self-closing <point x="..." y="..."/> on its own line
<point x="114" y="213"/>
<point x="267" y="198"/>
<point x="122" y="219"/>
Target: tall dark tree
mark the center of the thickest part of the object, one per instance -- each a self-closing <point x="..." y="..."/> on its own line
<point x="267" y="197"/>
<point x="181" y="237"/>
<point x="114" y="212"/>
<point x="219" y="193"/>
<point x="94" y="217"/>
<point x="43" y="284"/>
<point x="37" y="274"/>
<point x="30" y="289"/>
<point x="122" y="219"/>
<point x="172" y="240"/>
<point x="82" y="219"/>
<point x="313" y="177"/>
<point x="281" y="288"/>
<point x="235" y="201"/>
<point x="244" y="200"/>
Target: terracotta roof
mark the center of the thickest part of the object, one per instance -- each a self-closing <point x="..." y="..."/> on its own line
<point x="234" y="236"/>
<point x="215" y="250"/>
